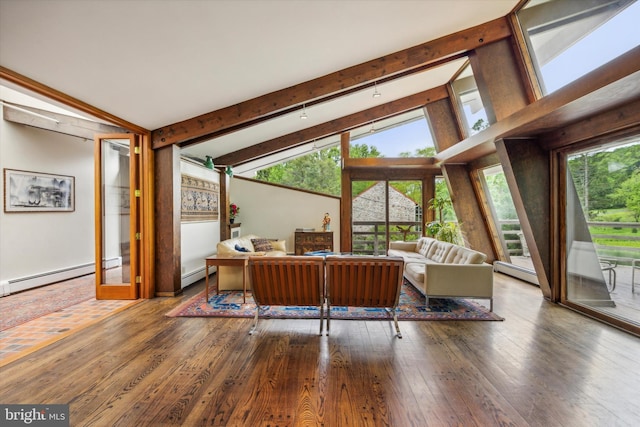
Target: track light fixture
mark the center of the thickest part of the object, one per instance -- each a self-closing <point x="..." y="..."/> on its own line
<point x="304" y="116"/>
<point x="229" y="171"/>
<point x="376" y="94"/>
<point x="373" y="127"/>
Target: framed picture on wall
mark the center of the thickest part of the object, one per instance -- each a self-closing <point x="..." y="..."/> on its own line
<point x="199" y="199"/>
<point x="26" y="191"/>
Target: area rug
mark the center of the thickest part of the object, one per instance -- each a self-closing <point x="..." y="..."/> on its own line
<point x="28" y="305"/>
<point x="412" y="307"/>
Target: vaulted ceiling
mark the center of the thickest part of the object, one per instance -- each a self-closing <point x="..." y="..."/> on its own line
<point x="230" y="79"/>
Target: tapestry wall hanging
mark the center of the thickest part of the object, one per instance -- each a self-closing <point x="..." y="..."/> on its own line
<point x="199" y="199"/>
<point x="26" y="191"/>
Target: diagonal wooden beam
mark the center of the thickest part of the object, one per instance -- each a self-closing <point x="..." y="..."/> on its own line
<point x="333" y="127"/>
<point x="360" y="75"/>
<point x="311" y="103"/>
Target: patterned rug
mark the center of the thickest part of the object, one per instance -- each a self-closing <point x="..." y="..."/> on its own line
<point x="412" y="307"/>
<point x="28" y="305"/>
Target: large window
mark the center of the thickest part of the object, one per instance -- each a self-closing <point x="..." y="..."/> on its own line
<point x="406" y="135"/>
<point x="317" y="171"/>
<point x="602" y="229"/>
<point x="384" y="211"/>
<point x="445" y="225"/>
<point x="514" y="256"/>
<point x="568" y="39"/>
<point x="468" y="96"/>
<point x="505" y="216"/>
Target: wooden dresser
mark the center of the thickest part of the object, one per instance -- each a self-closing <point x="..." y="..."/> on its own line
<point x="310" y="241"/>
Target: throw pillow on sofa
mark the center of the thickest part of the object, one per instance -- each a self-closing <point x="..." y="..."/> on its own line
<point x="240" y="248"/>
<point x="279" y="245"/>
<point x="261" y="245"/>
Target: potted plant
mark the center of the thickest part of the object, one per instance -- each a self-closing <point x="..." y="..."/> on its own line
<point x="234" y="211"/>
<point x="446" y="231"/>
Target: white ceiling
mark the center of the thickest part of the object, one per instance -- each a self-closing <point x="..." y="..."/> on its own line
<point x="157" y="62"/>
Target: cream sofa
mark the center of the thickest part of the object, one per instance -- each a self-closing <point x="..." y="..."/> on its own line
<point x="444" y="270"/>
<point x="230" y="278"/>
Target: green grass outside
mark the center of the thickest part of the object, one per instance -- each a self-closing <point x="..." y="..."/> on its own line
<point x="613" y="215"/>
<point x="611" y="242"/>
<point x="616" y="231"/>
<point x="633" y="245"/>
<point x="619" y="232"/>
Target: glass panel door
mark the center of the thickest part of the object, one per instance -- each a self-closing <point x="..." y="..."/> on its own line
<point x="116" y="213"/>
<point x="602" y="223"/>
<point x="383" y="211"/>
<point x="369" y="216"/>
<point x="405" y="210"/>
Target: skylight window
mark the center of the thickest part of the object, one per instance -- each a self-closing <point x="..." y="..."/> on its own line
<point x="569" y="39"/>
<point x="403" y="136"/>
<point x="466" y="90"/>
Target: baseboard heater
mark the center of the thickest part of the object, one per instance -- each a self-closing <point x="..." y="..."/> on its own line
<point x="516" y="271"/>
<point x="12" y="286"/>
<point x="193" y="276"/>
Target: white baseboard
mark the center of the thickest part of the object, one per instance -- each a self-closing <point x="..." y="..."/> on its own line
<point x="193" y="276"/>
<point x="113" y="262"/>
<point x="516" y="271"/>
<point x="4" y="288"/>
<point x="12" y="286"/>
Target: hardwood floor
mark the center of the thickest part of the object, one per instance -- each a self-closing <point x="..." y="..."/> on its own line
<point x="543" y="366"/>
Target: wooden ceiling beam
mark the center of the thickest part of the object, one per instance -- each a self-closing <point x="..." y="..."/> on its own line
<point x="357" y="76"/>
<point x="608" y="87"/>
<point x="390" y="162"/>
<point x="333" y="127"/>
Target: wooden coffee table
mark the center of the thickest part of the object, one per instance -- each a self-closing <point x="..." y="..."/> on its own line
<point x="226" y="261"/>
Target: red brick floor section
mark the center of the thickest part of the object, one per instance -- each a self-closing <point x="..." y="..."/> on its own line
<point x="23" y="339"/>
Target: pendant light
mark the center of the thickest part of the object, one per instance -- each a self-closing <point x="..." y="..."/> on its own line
<point x="376" y="94"/>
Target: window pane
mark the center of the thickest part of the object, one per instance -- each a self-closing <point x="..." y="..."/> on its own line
<point x="568" y="39"/>
<point x="603" y="213"/>
<point x="116" y="262"/>
<point x="405" y="210"/>
<point x="466" y="90"/>
<point x="369" y="216"/>
<point x="407" y="135"/>
<point x="318" y="171"/>
<point x="445" y="226"/>
<point x="505" y="218"/>
<point x="373" y="227"/>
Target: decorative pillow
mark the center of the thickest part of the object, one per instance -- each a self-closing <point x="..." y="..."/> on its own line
<point x="240" y="248"/>
<point x="279" y="245"/>
<point x="261" y="245"/>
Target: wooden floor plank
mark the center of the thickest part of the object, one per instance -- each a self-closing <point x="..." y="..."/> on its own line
<point x="544" y="365"/>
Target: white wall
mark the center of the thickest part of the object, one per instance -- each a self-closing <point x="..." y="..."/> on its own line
<point x="35" y="245"/>
<point x="265" y="210"/>
<point x="275" y="212"/>
<point x="197" y="239"/>
<point x="44" y="247"/>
